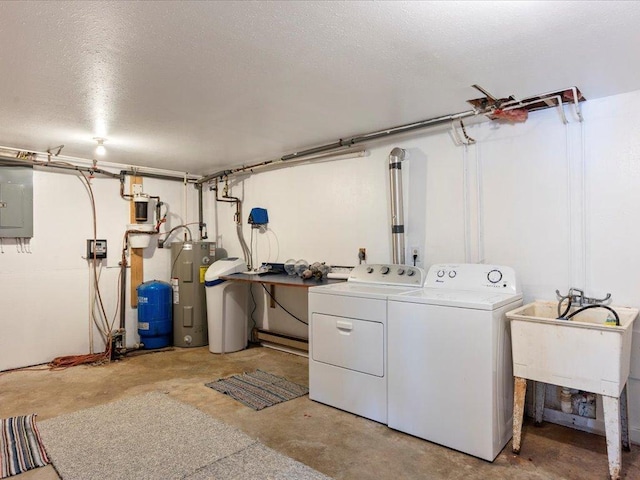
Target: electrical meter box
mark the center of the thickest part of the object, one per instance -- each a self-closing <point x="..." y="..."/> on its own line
<point x="189" y="264"/>
<point x="16" y="202"/>
<point x="96" y="249"/>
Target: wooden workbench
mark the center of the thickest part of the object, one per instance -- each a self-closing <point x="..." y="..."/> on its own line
<point x="280" y="279"/>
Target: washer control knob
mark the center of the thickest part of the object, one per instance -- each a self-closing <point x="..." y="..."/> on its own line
<point x="401" y="271"/>
<point x="452" y="274"/>
<point x="440" y="273"/>
<point x="384" y="270"/>
<point x="411" y="273"/>
<point x="369" y="269"/>
<point x="494" y="276"/>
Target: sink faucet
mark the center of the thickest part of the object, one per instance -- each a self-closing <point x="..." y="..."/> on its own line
<point x="595" y="301"/>
<point x="577" y="297"/>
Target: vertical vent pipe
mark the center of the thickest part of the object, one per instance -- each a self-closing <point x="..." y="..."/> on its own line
<point x="397" y="215"/>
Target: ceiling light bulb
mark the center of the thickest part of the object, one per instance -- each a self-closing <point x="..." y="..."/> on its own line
<point x="100" y="149"/>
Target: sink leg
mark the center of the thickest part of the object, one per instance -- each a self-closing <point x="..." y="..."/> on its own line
<point x="624" y="418"/>
<point x="519" y="392"/>
<point x="540" y="388"/>
<point x="612" y="428"/>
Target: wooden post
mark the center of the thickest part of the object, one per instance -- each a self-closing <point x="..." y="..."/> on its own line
<point x="519" y="392"/>
<point x="135" y="260"/>
<point x="540" y="390"/>
<point x="612" y="423"/>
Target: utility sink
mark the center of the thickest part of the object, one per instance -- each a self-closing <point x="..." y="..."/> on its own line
<point x="582" y="353"/>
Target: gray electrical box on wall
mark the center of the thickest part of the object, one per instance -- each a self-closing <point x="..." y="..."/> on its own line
<point x="16" y="202"/>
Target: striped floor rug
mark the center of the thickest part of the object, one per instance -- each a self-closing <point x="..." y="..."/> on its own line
<point x="20" y="446"/>
<point x="259" y="389"/>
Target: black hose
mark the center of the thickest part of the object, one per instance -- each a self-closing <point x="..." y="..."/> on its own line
<point x="280" y="305"/>
<point x="561" y="316"/>
<point x="582" y="309"/>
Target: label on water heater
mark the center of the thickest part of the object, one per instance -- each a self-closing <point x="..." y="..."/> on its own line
<point x="176" y="291"/>
<point x="212" y="250"/>
<point x="143" y="325"/>
<point x="203" y="271"/>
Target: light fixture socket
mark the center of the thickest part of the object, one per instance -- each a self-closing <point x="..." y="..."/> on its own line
<point x="100" y="149"/>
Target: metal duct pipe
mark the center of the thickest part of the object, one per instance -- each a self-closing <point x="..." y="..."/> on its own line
<point x="397" y="214"/>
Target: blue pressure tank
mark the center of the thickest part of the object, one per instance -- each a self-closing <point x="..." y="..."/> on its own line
<point x="155" y="325"/>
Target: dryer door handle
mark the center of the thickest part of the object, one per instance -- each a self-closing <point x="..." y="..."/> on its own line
<point x="342" y="325"/>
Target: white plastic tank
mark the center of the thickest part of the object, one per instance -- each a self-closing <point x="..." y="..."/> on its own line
<point x="227" y="303"/>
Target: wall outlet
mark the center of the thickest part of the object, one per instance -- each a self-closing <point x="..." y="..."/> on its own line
<point x="415" y="256"/>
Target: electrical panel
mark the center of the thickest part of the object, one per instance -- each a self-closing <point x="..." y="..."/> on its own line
<point x="100" y="249"/>
<point x="16" y="202"/>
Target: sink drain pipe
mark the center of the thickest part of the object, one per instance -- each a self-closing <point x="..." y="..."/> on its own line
<point x="397" y="215"/>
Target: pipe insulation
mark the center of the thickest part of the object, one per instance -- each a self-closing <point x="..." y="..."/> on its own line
<point x="396" y="157"/>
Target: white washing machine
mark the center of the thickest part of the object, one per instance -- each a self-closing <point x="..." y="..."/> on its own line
<point x="348" y="338"/>
<point x="449" y="367"/>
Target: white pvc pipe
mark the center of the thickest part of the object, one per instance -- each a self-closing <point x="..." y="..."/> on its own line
<point x="479" y="206"/>
<point x="465" y="200"/>
<point x="568" y="151"/>
<point x="585" y="240"/>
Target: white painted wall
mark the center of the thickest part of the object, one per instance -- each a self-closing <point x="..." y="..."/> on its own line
<point x="528" y="205"/>
<point x="44" y="296"/>
<point x="522" y="186"/>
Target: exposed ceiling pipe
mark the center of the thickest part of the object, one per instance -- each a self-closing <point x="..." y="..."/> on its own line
<point x="159" y="176"/>
<point x="62" y="165"/>
<point x="27" y="162"/>
<point x="396" y="157"/>
<point x="345" y="143"/>
<point x="11" y="156"/>
<point x="238" y="219"/>
<point x="489" y="105"/>
<point x="324" y="157"/>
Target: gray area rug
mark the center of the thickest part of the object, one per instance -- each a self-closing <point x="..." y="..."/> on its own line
<point x="259" y="389"/>
<point x="152" y="436"/>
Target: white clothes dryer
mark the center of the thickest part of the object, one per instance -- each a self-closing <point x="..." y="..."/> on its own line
<point x="450" y="370"/>
<point x="348" y="338"/>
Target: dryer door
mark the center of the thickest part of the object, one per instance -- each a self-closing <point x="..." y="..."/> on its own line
<point x="348" y="343"/>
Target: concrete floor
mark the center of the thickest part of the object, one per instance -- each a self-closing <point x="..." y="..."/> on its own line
<point x="334" y="442"/>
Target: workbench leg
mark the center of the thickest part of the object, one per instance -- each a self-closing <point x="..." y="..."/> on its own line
<point x="624" y="418"/>
<point x="519" y="392"/>
<point x="612" y="429"/>
<point x="540" y="389"/>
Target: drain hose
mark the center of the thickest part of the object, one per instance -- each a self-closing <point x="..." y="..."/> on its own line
<point x="587" y="307"/>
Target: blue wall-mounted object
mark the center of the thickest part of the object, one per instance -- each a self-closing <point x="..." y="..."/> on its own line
<point x="258" y="216"/>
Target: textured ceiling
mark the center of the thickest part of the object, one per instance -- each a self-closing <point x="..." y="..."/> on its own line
<point x="196" y="86"/>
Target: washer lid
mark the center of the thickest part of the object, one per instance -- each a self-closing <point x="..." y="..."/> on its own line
<point x="362" y="290"/>
<point x="457" y="298"/>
